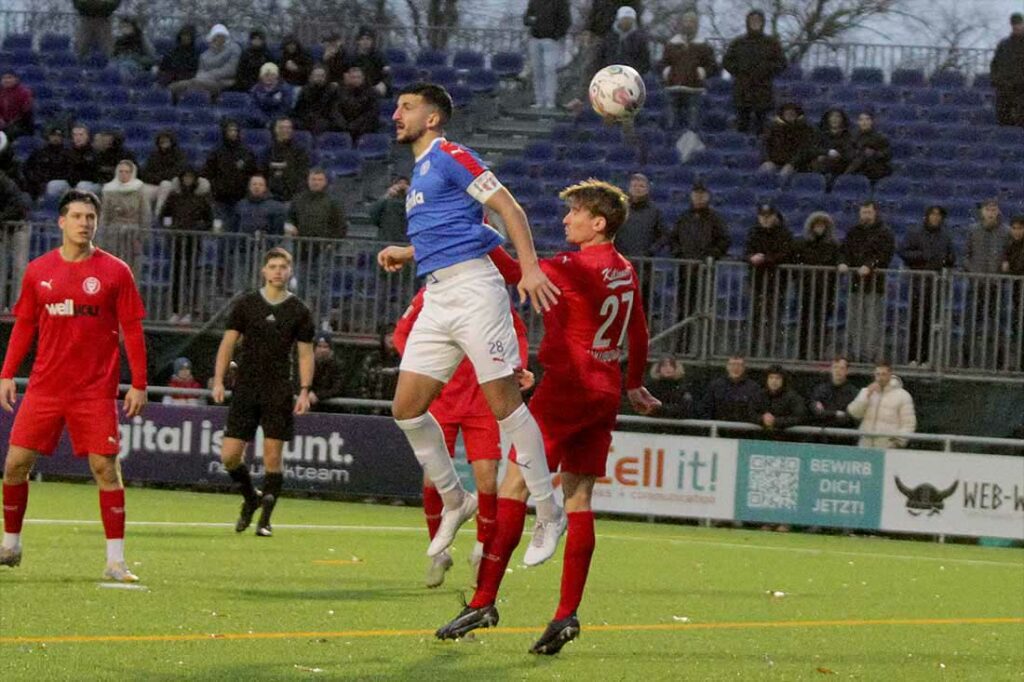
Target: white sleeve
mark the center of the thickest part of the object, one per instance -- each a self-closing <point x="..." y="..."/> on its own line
<point x="484" y="186"/>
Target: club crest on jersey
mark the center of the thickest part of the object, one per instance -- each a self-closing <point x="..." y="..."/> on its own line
<point x="91" y="286"/>
<point x="425" y="168"/>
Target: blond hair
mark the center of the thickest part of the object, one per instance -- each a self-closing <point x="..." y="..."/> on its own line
<point x="601" y="199"/>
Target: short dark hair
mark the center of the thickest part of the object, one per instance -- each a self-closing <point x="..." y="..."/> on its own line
<point x="841" y="358"/>
<point x="78" y="196"/>
<point x="775" y="369"/>
<point x="601" y="199"/>
<point x="318" y="170"/>
<point x="737" y="356"/>
<point x="434" y="95"/>
<point x="1017" y="220"/>
<point x="883" y="363"/>
<point x="276" y="252"/>
<point x="869" y="202"/>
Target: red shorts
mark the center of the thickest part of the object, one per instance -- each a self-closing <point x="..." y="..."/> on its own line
<point x="92" y="425"/>
<point x="577" y="432"/>
<point x="481" y="435"/>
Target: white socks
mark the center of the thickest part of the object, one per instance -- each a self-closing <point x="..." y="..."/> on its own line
<point x="427" y="440"/>
<point x="115" y="551"/>
<point x="12" y="540"/>
<point x="521" y="428"/>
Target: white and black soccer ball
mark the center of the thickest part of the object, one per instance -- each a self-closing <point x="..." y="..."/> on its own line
<point x="617" y="92"/>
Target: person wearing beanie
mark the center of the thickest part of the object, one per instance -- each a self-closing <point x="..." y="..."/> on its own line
<point x="626" y="43"/>
<point x="754" y="60"/>
<point x="183" y="379"/>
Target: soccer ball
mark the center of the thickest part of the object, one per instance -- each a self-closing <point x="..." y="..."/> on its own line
<point x="617" y="92"/>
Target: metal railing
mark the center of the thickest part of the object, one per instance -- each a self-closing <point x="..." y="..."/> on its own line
<point x="947" y="323"/>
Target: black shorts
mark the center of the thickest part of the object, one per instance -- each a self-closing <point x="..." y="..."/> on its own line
<point x="272" y="411"/>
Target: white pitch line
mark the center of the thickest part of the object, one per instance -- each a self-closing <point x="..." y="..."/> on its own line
<point x="604" y="536"/>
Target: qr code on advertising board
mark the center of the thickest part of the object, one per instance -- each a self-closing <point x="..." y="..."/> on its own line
<point x="773" y="483"/>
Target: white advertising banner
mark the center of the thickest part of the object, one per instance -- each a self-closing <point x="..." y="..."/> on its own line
<point x="674" y="476"/>
<point x="953" y="494"/>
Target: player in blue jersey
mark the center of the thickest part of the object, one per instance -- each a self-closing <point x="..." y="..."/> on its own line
<point x="466" y="311"/>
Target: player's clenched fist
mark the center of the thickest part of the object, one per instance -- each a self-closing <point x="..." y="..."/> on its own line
<point x="538" y="289"/>
<point x="394" y="258"/>
<point x="8" y="394"/>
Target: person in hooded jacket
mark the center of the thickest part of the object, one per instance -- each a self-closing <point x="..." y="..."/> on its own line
<point x="16" y="106"/>
<point x="163" y="165"/>
<point x="869" y="247"/>
<point x="229" y="168"/>
<point x="872" y="154"/>
<point x="316" y="108"/>
<point x="817" y="285"/>
<point x="778" y="407"/>
<point x="1007" y="69"/>
<point x="626" y="43"/>
<point x="926" y="249"/>
<point x="789" y="144"/>
<point x="218" y="65"/>
<point x="368" y="57"/>
<point x="754" y="60"/>
<point x="124" y="200"/>
<point x="254" y="56"/>
<point x="185" y="210"/>
<point x="335" y="58"/>
<point x="357" y="105"/>
<point x="133" y="53"/>
<point x="48" y="169"/>
<point x="286" y="162"/>
<point x="328" y="379"/>
<point x="271" y="97"/>
<point x="259" y="212"/>
<point x="834" y="147"/>
<point x="668" y="384"/>
<point x="182" y="62"/>
<point x="769" y="245"/>
<point x="884" y="406"/>
<point x="110" y="151"/>
<point x="295" y="62"/>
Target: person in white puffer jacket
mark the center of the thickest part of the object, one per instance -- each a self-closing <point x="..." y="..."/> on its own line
<point x="884" y="407"/>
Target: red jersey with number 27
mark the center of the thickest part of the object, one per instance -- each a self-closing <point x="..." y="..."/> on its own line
<point x="77" y="309"/>
<point x="585" y="332"/>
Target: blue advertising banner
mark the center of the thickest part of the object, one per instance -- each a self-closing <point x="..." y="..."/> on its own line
<point x="809" y="485"/>
<point x="338" y="453"/>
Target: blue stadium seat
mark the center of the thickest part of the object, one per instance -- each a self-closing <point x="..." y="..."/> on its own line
<point x="807" y="182"/>
<point x="513" y="168"/>
<point x="827" y="74"/>
<point x="556" y="170"/>
<point x="445" y="76"/>
<point x="153" y="97"/>
<point x="982" y="81"/>
<point x="396" y="56"/>
<point x="908" y="77"/>
<point x="25" y="145"/>
<point x="483" y="81"/>
<point x="77" y="94"/>
<point x="584" y="154"/>
<point x="165" y="116"/>
<point x="468" y="60"/>
<point x="622" y="156"/>
<point x="334" y="141"/>
<point x="41" y="92"/>
<point x="924" y="98"/>
<point x="507" y="64"/>
<point x="462" y="96"/>
<point x="345" y="164"/>
<point x="428" y="59"/>
<point x="304" y="139"/>
<point x="539" y="152"/>
<point x="844" y="94"/>
<point x="374" y="146"/>
<point x="96" y="60"/>
<point x="18" y="41"/>
<point x="964" y="98"/>
<point x="234" y="101"/>
<point x="194" y="99"/>
<point x="19" y="59"/>
<point x="948" y="79"/>
<point x="793" y="72"/>
<point x="403" y="75"/>
<point x="852" y="185"/>
<point x="199" y="117"/>
<point x="662" y="156"/>
<point x="867" y="76"/>
<point x="256" y="138"/>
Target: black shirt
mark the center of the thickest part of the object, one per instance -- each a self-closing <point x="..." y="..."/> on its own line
<point x="270" y="332"/>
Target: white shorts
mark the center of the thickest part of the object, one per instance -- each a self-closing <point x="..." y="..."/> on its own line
<point x="465" y="313"/>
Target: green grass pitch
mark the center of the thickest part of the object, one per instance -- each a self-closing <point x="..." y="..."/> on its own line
<point x="337" y="594"/>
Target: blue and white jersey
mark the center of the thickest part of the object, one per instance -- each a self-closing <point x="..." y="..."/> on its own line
<point x="444" y="207"/>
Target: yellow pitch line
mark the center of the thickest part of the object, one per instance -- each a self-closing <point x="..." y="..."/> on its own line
<point x="739" y="625"/>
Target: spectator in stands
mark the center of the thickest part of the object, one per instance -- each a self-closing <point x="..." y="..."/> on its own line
<point x="286" y="162"/>
<point x="1013" y="256"/>
<point x="388" y="213"/>
<point x="217" y="65"/>
<point x="328" y="380"/>
<point x="9" y="165"/>
<point x="599" y="22"/>
<point x="358" y="108"/>
<point x="734" y="397"/>
<point x="754" y="60"/>
<point x="94" y="32"/>
<point x="868" y="248"/>
<point x="186" y="210"/>
<point x="986" y="240"/>
<point x="163" y="165"/>
<point x="14" y="205"/>
<point x="834" y="147"/>
<point x="378" y="374"/>
<point x="109" y="148"/>
<point x="644" y="227"/>
<point x="685" y="65"/>
<point x="295" y="62"/>
<point x="789" y="144"/>
<point x="132" y="54"/>
<point x="229" y="168"/>
<point x="335" y="58"/>
<point x="884" y="406"/>
<point x="926" y="249"/>
<point x="818" y="247"/>
<point x="830" y="399"/>
<point x="271" y="96"/>
<point x="372" y="61"/>
<point x="252" y="59"/>
<point x="259" y="212"/>
<point x="986" y="244"/>
<point x="316" y="108"/>
<point x="626" y="43"/>
<point x="314" y="212"/>
<point x="48" y="169"/>
<point x="85" y="170"/>
<point x="183" y="379"/>
<point x="182" y="62"/>
<point x="1007" y="73"/>
<point x="124" y="202"/>
<point x="16" y="106"/>
<point x="548" y="21"/>
<point x="668" y="384"/>
<point x="778" y="407"/>
<point x="872" y="155"/>
<point x="769" y="245"/>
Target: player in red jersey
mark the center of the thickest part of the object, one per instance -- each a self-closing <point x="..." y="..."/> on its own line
<point x="576" y="403"/>
<point x="75" y="298"/>
<point x="461" y="406"/>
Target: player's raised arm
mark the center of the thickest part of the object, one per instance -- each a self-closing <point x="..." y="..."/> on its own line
<point x="224" y="354"/>
<point x="534" y="285"/>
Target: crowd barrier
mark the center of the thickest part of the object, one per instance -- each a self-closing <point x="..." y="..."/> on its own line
<point x="658" y="475"/>
<point x="947" y="323"/>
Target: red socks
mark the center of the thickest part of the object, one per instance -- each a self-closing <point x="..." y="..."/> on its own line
<point x="486" y="515"/>
<point x="112" y="513"/>
<point x="15" y="504"/>
<point x="579" y="548"/>
<point x="498" y="550"/>
<point x="433" y="505"/>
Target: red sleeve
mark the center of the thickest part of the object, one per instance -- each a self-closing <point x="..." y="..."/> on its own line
<point x="521" y="336"/>
<point x="135" y="347"/>
<point x="404" y="325"/>
<point x="639" y="339"/>
<point x="507" y="265"/>
<point x="129" y="303"/>
<point x="18" y="346"/>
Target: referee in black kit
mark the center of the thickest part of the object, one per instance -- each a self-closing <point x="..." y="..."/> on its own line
<point x="269" y="321"/>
